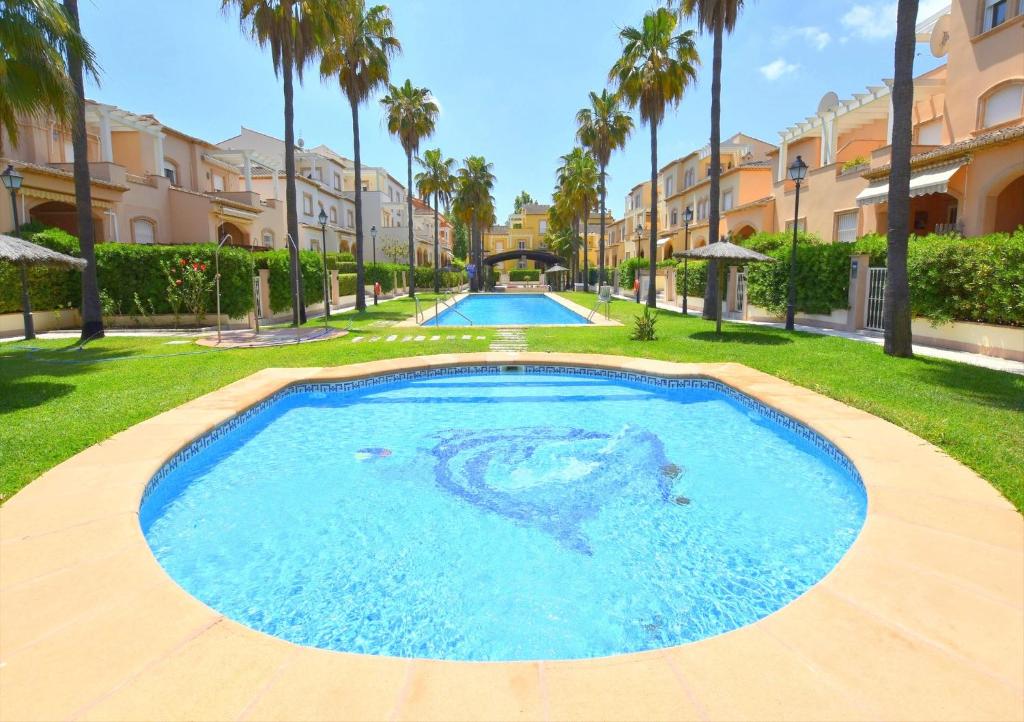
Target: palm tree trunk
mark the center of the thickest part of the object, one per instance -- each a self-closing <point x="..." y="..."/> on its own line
<point x="896" y="304"/>
<point x="412" y="242"/>
<point x="360" y="268"/>
<point x="600" y="243"/>
<point x="437" y="259"/>
<point x="652" y="265"/>
<point x="586" y="252"/>
<point x="291" y="209"/>
<point x="479" y="273"/>
<point x="92" y="317"/>
<point x="712" y="295"/>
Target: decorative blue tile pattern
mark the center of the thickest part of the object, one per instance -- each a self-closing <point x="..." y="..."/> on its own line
<point x="330" y="387"/>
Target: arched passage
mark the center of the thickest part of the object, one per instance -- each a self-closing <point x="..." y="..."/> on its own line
<point x="1010" y="207"/>
<point x="666" y="252"/>
<point x="238" y="236"/>
<point x="544" y="258"/>
<point x="743" y="233"/>
<point x="56" y="213"/>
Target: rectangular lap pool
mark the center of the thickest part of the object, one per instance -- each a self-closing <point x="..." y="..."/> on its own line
<point x="512" y="309"/>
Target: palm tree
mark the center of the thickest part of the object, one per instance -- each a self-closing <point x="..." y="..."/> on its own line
<point x="411" y="116"/>
<point x="92" y="314"/>
<point x="521" y="200"/>
<point x="37" y="36"/>
<point x="562" y="235"/>
<point x="474" y="204"/>
<point x="896" y="303"/>
<point x="437" y="180"/>
<point x="359" y="56"/>
<point x="655" y="68"/>
<point x="295" y="31"/>
<point x="720" y="17"/>
<point x="603" y="128"/>
<point x="577" y="180"/>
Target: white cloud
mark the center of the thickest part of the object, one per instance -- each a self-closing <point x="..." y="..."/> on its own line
<point x="777" y="68"/>
<point x="816" y="36"/>
<point x="878" y="20"/>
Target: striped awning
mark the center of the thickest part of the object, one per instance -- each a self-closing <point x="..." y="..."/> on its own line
<point x="922" y="183"/>
<point x="58" y="196"/>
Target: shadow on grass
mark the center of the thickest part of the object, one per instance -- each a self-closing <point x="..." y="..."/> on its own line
<point x="750" y="338"/>
<point x="998" y="389"/>
<point x="23" y="394"/>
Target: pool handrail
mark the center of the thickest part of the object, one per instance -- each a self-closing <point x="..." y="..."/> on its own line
<point x="451" y="307"/>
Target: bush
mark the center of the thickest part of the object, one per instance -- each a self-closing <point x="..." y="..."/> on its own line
<point x="643" y="325"/>
<point x="524" y="274"/>
<point x="346" y="284"/>
<point x="448" y="279"/>
<point x="696" y="277"/>
<point x="822" y="278"/>
<point x="627" y="271"/>
<point x="387" y="274"/>
<point x="279" y="263"/>
<point x="49" y="288"/>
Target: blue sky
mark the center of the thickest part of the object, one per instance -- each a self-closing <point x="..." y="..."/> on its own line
<point x="509" y="75"/>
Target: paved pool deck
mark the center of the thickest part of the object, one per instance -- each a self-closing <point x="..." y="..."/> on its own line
<point x="923" y="618"/>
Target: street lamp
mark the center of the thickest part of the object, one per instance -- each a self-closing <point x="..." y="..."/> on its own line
<point x="12" y="182"/>
<point x="373" y="236"/>
<point x="687" y="219"/>
<point x="797" y="173"/>
<point x="323" y="251"/>
<point x="640" y="253"/>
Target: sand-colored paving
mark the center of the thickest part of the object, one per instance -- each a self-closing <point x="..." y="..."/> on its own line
<point x="923" y="619"/>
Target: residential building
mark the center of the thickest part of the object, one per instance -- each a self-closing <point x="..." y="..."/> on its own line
<point x="527" y="230"/>
<point x="150" y="183"/>
<point x="319" y="184"/>
<point x="967" y="158"/>
<point x="745" y="201"/>
<point x="637" y="219"/>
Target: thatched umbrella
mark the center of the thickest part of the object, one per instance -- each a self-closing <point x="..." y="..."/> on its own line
<point x="727" y="254"/>
<point x="24" y="254"/>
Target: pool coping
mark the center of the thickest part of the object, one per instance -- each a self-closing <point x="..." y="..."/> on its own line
<point x="923" y="618"/>
<point x="597" y="321"/>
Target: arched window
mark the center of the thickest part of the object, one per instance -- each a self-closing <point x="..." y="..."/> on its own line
<point x="143" y="231"/>
<point x="171" y="171"/>
<point x="1003" y="103"/>
<point x="675" y="218"/>
<point x="267" y="238"/>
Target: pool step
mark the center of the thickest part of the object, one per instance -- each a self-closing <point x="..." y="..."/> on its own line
<point x="509" y="339"/>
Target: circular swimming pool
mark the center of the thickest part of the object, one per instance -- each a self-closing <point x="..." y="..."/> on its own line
<point x="484" y="513"/>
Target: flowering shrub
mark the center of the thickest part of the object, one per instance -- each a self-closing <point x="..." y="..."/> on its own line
<point x="189" y="285"/>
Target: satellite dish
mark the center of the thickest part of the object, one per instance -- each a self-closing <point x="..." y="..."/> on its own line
<point x="940" y="37"/>
<point x="828" y="101"/>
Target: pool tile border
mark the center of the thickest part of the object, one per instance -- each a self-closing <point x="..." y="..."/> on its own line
<point x="923" y="618"/>
<point x="596" y="321"/>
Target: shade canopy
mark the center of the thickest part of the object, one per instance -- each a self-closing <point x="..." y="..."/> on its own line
<point x="726" y="251"/>
<point x="556" y="269"/>
<point x="922" y="183"/>
<point x="24" y="253"/>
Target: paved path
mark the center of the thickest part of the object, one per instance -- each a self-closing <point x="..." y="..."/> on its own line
<point x="509" y="339"/>
<point x="412" y="338"/>
<point x="974" y="359"/>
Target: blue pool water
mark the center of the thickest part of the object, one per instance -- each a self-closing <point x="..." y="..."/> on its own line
<point x="500" y="309"/>
<point x="501" y="516"/>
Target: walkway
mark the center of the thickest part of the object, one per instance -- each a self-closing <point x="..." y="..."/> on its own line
<point x="411" y="338"/>
<point x="973" y="359"/>
<point x="509" y="339"/>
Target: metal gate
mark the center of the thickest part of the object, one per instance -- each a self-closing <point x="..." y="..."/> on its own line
<point x="876" y="296"/>
<point x="741" y="291"/>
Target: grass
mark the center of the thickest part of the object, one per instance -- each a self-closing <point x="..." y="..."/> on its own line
<point x="55" y="402"/>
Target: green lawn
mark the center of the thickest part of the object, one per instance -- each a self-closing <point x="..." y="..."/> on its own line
<point x="55" y="402"/>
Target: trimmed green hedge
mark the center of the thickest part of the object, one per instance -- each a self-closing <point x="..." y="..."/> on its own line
<point x="449" y="279"/>
<point x="962" y="279"/>
<point x="822" y="278"/>
<point x="49" y="288"/>
<point x="524" y="274"/>
<point x="279" y="263"/>
<point x="124" y="270"/>
<point x="346" y="284"/>
<point x="696" y="277"/>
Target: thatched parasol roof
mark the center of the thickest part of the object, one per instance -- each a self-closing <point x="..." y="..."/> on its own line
<point x="726" y="251"/>
<point x="14" y="250"/>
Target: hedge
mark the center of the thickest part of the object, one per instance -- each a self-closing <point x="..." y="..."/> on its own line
<point x="124" y="271"/>
<point x="962" y="279"/>
<point x="822" y="278"/>
<point x="279" y="264"/>
<point x="346" y="284"/>
<point x="524" y="274"/>
<point x="449" y="279"/>
<point x="49" y="288"/>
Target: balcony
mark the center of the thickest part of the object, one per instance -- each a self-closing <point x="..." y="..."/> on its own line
<point x="108" y="172"/>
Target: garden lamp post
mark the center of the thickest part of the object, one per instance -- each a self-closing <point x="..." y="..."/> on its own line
<point x="12" y="182"/>
<point x="640" y="254"/>
<point x="323" y="251"/>
<point x="797" y="173"/>
<point x="373" y="236"/>
<point x="687" y="219"/>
